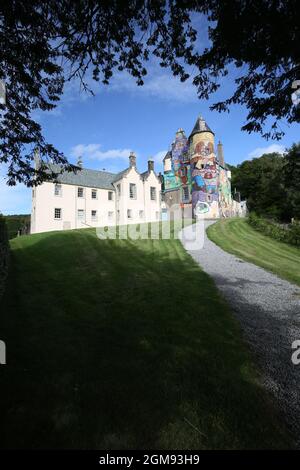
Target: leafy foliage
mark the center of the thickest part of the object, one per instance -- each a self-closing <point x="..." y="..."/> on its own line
<point x="4" y="254"/>
<point x="17" y="223"/>
<point x="271" y="184"/>
<point x="46" y="44"/>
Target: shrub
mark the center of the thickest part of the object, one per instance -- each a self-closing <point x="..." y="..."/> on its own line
<point x="17" y="223"/>
<point x="287" y="234"/>
<point x="4" y="254"/>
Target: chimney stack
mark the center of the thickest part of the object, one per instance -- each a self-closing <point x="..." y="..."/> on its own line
<point x="150" y="165"/>
<point x="37" y="158"/>
<point x="79" y="162"/>
<point x="221" y="154"/>
<point x="132" y="159"/>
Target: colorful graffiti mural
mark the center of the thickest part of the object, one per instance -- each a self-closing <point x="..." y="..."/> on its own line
<point x="204" y="177"/>
<point x="192" y="163"/>
<point x="179" y="173"/>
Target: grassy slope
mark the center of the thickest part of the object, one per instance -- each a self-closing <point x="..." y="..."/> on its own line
<point x="123" y="344"/>
<point x="239" y="238"/>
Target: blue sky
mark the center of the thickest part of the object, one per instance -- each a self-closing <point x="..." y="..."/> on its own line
<point x="123" y="117"/>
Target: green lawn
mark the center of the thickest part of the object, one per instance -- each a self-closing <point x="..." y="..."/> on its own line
<point x="238" y="237"/>
<point x="124" y="344"/>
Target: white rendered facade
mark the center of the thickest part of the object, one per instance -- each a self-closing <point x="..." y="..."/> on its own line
<point x="130" y="197"/>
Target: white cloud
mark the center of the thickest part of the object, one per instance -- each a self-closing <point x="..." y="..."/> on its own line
<point x="157" y="84"/>
<point x="259" y="151"/>
<point x="94" y="152"/>
<point x="158" y="159"/>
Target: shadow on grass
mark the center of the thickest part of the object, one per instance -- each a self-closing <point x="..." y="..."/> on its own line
<point x="124" y="344"/>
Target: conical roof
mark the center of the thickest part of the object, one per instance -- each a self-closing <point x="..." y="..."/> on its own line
<point x="201" y="126"/>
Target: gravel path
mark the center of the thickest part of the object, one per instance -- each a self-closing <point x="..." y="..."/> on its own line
<point x="268" y="309"/>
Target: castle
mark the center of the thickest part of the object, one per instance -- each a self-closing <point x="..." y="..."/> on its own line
<point x="196" y="178"/>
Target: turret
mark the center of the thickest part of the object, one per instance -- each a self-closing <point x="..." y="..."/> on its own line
<point x="200" y="127"/>
<point x="201" y="133"/>
<point x="203" y="170"/>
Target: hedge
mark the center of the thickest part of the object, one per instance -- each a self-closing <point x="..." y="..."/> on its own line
<point x="17" y="223"/>
<point x="4" y="254"/>
<point x="286" y="234"/>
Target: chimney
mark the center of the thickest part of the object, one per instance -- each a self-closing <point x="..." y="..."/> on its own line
<point x="37" y="158"/>
<point x="150" y="165"/>
<point x="221" y="154"/>
<point x="132" y="159"/>
<point x="79" y="162"/>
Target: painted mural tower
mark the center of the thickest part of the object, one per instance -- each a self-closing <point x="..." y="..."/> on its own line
<point x="205" y="197"/>
<point x="197" y="177"/>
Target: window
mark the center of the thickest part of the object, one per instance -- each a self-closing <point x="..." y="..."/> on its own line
<point x="186" y="193"/>
<point x="57" y="213"/>
<point x="119" y="190"/>
<point x="118" y="215"/>
<point x="153" y="193"/>
<point x="94" y="193"/>
<point x="80" y="214"/>
<point x="110" y="195"/>
<point x="80" y="192"/>
<point x="141" y="213"/>
<point x="129" y="213"/>
<point x="110" y="215"/>
<point x="132" y="191"/>
<point x="57" y="190"/>
<point x="94" y="215"/>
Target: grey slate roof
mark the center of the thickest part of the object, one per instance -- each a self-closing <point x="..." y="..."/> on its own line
<point x="201" y="126"/>
<point x="145" y="174"/>
<point x="85" y="177"/>
<point x="118" y="176"/>
<point x="91" y="178"/>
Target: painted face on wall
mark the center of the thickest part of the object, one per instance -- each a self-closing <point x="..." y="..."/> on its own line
<point x="204" y="148"/>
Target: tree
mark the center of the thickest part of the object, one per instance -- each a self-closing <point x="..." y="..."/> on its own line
<point x="260" y="182"/>
<point x="46" y="43"/>
<point x="291" y="178"/>
<point x="271" y="184"/>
